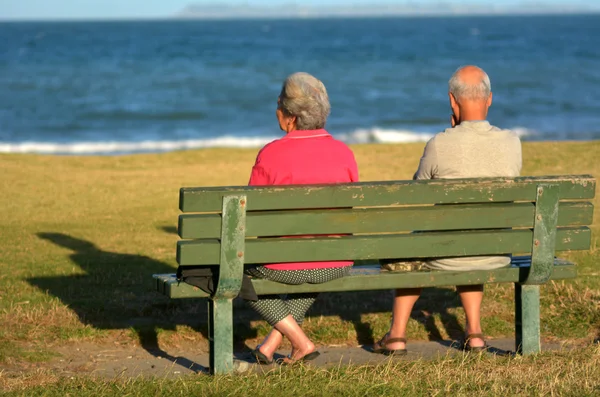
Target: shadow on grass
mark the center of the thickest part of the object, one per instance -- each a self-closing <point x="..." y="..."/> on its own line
<point x="116" y="292"/>
<point x="169" y="229"/>
<point x="350" y="306"/>
<point x="149" y="341"/>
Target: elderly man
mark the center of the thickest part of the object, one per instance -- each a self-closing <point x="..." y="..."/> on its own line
<point x="471" y="148"/>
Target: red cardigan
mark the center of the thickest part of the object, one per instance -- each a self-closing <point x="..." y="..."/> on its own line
<point x="305" y="157"/>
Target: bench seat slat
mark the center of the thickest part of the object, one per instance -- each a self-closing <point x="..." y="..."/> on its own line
<point x="480" y="190"/>
<point x="411" y="245"/>
<point x="370" y="278"/>
<point x="384" y="220"/>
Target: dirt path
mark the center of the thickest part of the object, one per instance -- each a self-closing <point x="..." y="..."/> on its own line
<point x="110" y="361"/>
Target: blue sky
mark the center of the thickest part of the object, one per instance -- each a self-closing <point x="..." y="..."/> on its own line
<point x="101" y="9"/>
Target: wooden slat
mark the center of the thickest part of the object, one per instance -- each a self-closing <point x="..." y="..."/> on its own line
<point x="386" y="193"/>
<point x="375" y="280"/>
<point x="412" y="245"/>
<point x="385" y="220"/>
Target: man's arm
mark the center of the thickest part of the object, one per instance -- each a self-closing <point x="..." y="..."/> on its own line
<point x="428" y="165"/>
<point x="519" y="156"/>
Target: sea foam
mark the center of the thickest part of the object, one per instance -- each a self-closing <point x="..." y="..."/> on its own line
<point x="369" y="135"/>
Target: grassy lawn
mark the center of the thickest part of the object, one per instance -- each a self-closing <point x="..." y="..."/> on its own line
<point x="81" y="236"/>
<point x="564" y="374"/>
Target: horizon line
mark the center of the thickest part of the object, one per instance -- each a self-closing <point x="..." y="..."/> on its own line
<point x="524" y="13"/>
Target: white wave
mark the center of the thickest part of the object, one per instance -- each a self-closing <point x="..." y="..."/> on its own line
<point x="130" y="147"/>
<point x="522" y="132"/>
<point x="379" y="135"/>
<point x="370" y="135"/>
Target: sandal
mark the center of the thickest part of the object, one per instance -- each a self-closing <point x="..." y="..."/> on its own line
<point x="260" y="357"/>
<point x="474" y="349"/>
<point x="381" y="346"/>
<point x="309" y="357"/>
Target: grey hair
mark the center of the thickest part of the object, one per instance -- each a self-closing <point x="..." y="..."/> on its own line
<point x="304" y="96"/>
<point x="462" y="90"/>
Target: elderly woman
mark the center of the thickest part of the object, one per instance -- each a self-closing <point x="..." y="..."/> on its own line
<point x="307" y="154"/>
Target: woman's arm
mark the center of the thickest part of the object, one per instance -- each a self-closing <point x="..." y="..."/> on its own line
<point x="259" y="176"/>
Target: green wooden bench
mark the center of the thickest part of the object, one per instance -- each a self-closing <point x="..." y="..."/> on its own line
<point x="533" y="216"/>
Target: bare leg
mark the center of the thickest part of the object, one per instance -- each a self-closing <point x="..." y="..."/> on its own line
<point x="404" y="302"/>
<point x="471" y="297"/>
<point x="271" y="343"/>
<point x="301" y="345"/>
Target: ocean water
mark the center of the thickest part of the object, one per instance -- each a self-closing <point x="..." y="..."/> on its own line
<point x="127" y="87"/>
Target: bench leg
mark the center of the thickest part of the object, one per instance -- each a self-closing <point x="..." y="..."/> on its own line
<point x="527" y="318"/>
<point x="220" y="335"/>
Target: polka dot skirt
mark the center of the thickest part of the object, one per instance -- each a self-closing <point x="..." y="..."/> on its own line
<point x="274" y="308"/>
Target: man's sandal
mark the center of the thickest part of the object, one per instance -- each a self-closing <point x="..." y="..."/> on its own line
<point x="381" y="347"/>
<point x="474" y="349"/>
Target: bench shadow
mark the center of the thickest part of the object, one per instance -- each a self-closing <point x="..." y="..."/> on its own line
<point x="169" y="229"/>
<point x="432" y="303"/>
<point x="115" y="291"/>
<point x="454" y="344"/>
<point x="149" y="341"/>
<point x="501" y="352"/>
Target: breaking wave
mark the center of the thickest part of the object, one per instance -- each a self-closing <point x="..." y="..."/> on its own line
<point x="370" y="135"/>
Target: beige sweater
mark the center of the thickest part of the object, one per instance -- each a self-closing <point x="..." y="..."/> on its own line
<point x="470" y="150"/>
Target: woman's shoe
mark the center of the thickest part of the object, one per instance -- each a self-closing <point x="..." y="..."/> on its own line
<point x="381" y="346"/>
<point x="309" y="357"/>
<point x="260" y="357"/>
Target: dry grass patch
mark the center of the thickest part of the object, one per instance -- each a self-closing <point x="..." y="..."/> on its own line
<point x="19" y="383"/>
<point x="563" y="373"/>
<point x="80" y="237"/>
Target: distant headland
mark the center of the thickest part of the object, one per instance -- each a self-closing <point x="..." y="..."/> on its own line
<point x="443" y="8"/>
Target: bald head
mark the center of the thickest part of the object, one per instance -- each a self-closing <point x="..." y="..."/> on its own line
<point x="470" y="83"/>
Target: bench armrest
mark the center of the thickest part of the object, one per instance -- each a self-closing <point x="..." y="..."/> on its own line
<point x="544" y="234"/>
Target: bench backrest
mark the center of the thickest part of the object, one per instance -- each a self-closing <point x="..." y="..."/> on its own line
<point x="377" y="220"/>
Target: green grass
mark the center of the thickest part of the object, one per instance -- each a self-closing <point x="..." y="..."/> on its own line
<point x="9" y="351"/>
<point x="81" y="236"/>
<point x="566" y="374"/>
